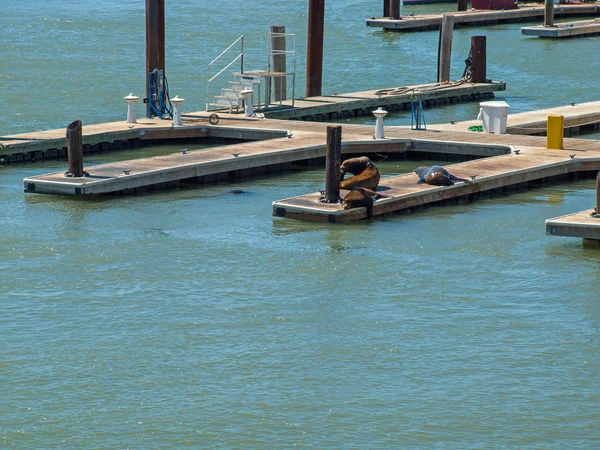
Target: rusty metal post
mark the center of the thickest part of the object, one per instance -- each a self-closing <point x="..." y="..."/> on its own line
<point x="549" y="13"/>
<point x="333" y="162"/>
<point x="75" y="149"/>
<point x="598" y="193"/>
<point x="445" y="48"/>
<point x="478" y="59"/>
<point x="155" y="39"/>
<point x="462" y="5"/>
<point x="386" y="8"/>
<point x="395" y="9"/>
<point x="278" y="45"/>
<point x="314" y="55"/>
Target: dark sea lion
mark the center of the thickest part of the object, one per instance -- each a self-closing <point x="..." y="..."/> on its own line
<point x="436" y="176"/>
<point x="365" y="173"/>
<point x="359" y="197"/>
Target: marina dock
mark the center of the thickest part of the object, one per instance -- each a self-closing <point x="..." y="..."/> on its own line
<point x="525" y="13"/>
<point x="580" y="28"/>
<point x="580" y="224"/>
<point x="525" y="160"/>
<point x="580" y="118"/>
<point x="331" y="107"/>
<point x="118" y="135"/>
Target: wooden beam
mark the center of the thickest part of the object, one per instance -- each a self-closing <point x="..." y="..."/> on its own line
<point x="314" y="55"/>
<point x="445" y="48"/>
<point x="279" y="62"/>
<point x="549" y="13"/>
<point x="155" y="38"/>
<point x="333" y="161"/>
<point x="478" y="59"/>
<point x="75" y="149"/>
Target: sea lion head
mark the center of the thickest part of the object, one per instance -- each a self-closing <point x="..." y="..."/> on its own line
<point x="356" y="165"/>
<point x="421" y="170"/>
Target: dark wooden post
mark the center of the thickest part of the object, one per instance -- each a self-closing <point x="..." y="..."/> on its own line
<point x="598" y="193"/>
<point x="314" y="56"/>
<point x="445" y="48"/>
<point x="386" y="8"/>
<point x="75" y="149"/>
<point x="478" y="56"/>
<point x="549" y="13"/>
<point x="279" y="62"/>
<point x="462" y="5"/>
<point x="333" y="161"/>
<point x="155" y="39"/>
<point x="395" y="9"/>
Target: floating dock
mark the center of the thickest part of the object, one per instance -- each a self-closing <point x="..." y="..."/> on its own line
<point x="580" y="118"/>
<point x="583" y="28"/>
<point x="525" y="13"/>
<point x="335" y="106"/>
<point x="525" y="161"/>
<point x="121" y="135"/>
<point x="581" y="224"/>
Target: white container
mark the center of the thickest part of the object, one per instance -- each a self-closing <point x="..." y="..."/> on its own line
<point x="493" y="114"/>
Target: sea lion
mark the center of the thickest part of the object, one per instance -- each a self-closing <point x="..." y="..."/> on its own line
<point x="365" y="173"/>
<point x="360" y="196"/>
<point x="436" y="176"/>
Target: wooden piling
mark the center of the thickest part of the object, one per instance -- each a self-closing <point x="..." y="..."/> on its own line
<point x="278" y="46"/>
<point x="478" y="59"/>
<point x="75" y="149"/>
<point x="462" y="5"/>
<point x="386" y="8"/>
<point x="395" y="9"/>
<point x="333" y="161"/>
<point x="155" y="39"/>
<point x="445" y="48"/>
<point x="549" y="13"/>
<point x="314" y="56"/>
<point x="598" y="193"/>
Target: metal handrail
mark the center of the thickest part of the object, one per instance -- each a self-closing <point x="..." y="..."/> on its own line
<point x="226" y="67"/>
<point x="240" y="57"/>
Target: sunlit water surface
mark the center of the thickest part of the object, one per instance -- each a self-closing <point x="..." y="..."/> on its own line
<point x="193" y="318"/>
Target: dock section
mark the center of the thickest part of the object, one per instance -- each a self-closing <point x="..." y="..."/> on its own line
<point x="581" y="224"/>
<point x="523" y="165"/>
<point x="580" y="118"/>
<point x="583" y="28"/>
<point x="122" y="135"/>
<point x="525" y="13"/>
<point x="332" y="107"/>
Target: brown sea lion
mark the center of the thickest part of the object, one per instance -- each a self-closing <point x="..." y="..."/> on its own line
<point x="436" y="176"/>
<point x="365" y="173"/>
<point x="360" y="196"/>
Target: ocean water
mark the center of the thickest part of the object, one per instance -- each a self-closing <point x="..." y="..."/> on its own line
<point x="194" y="319"/>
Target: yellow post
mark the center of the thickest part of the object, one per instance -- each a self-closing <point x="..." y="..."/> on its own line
<point x="555" y="133"/>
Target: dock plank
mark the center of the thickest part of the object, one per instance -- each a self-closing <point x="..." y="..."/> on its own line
<point x="581" y="28"/>
<point x="580" y="224"/>
<point x="532" y="163"/>
<point x="525" y="12"/>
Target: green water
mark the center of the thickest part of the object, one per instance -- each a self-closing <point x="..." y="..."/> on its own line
<point x="193" y="318"/>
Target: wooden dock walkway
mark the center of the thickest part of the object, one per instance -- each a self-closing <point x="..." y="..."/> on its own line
<point x="583" y="28"/>
<point x="579" y="118"/>
<point x="332" y="107"/>
<point x="527" y="162"/>
<point x="580" y="224"/>
<point x="525" y="13"/>
<point x="118" y="135"/>
<point x="307" y="141"/>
